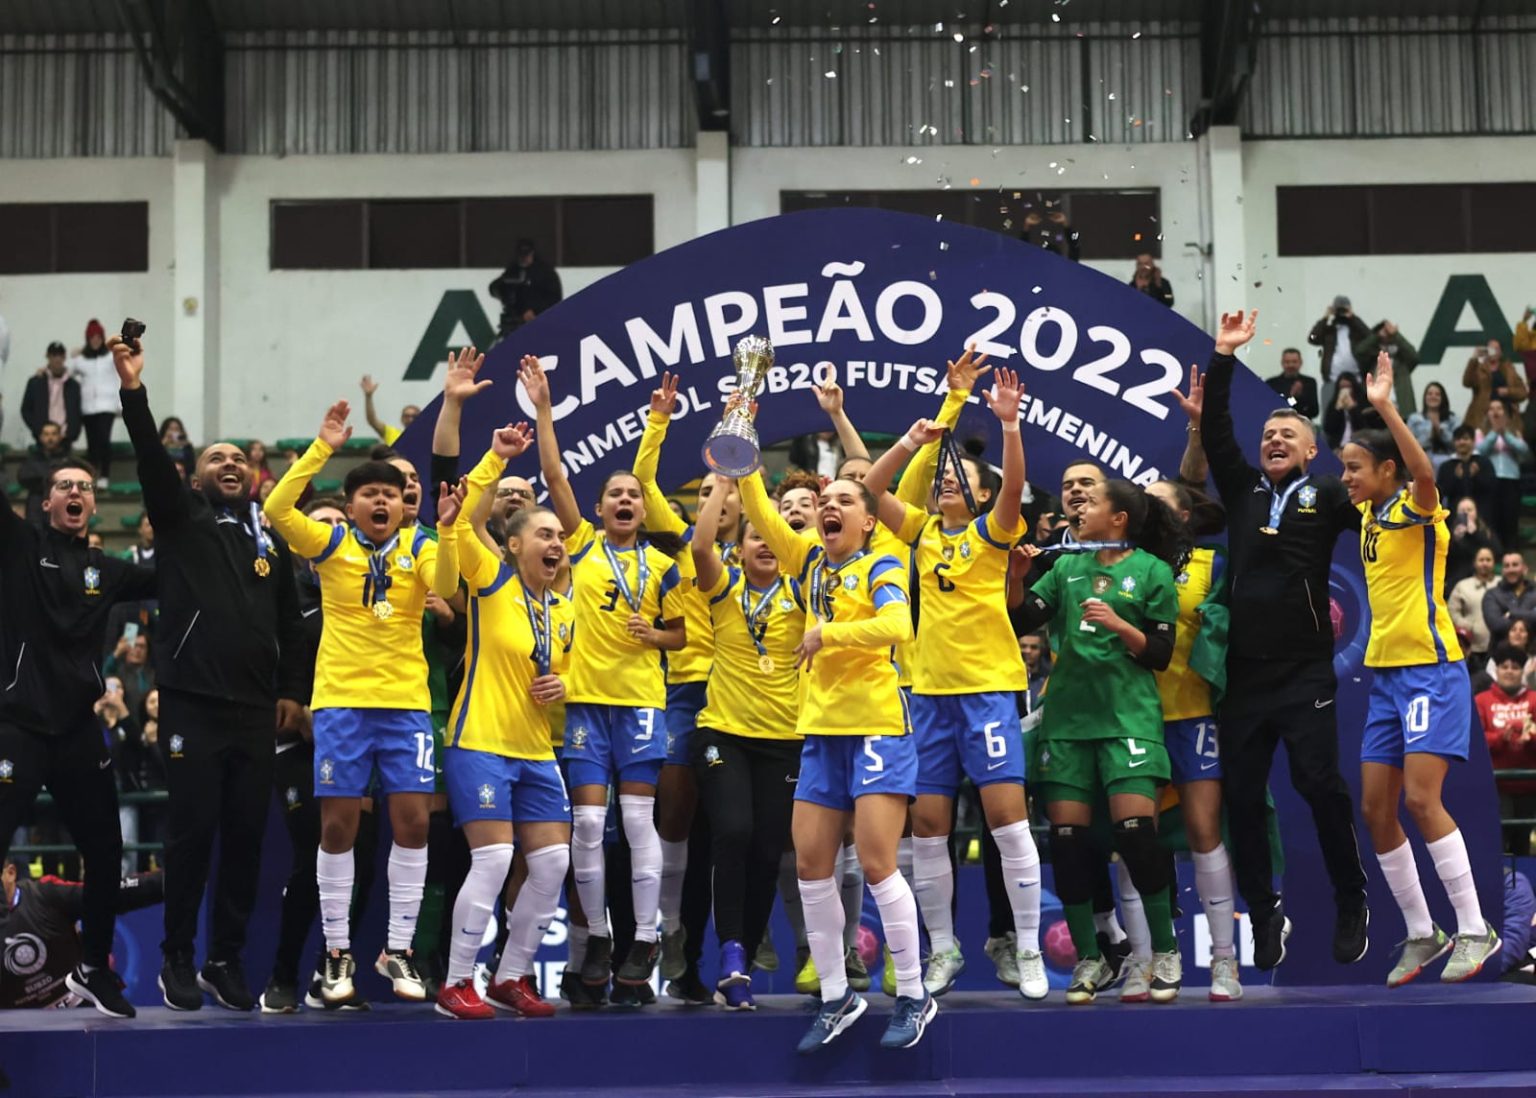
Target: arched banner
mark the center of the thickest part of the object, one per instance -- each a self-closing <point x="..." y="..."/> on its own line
<point x="886" y="298"/>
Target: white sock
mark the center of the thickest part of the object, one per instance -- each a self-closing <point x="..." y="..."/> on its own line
<point x="334" y="874"/>
<point x="933" y="882"/>
<point x="1213" y="883"/>
<point x="587" y="822"/>
<point x="904" y="860"/>
<point x="407" y="882"/>
<point x="1021" y="877"/>
<point x="639" y="816"/>
<point x="1106" y="923"/>
<point x="535" y="908"/>
<point x="824" y="933"/>
<point x="1402" y="875"/>
<point x="472" y="910"/>
<point x="789" y="892"/>
<point x="898" y="917"/>
<point x="851" y="888"/>
<point x="1134" y="915"/>
<point x="575" y="946"/>
<point x="1455" y="870"/>
<point x="674" y="863"/>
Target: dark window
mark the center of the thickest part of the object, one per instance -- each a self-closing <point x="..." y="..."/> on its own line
<point x="1406" y="219"/>
<point x="74" y="237"/>
<point x="575" y="231"/>
<point x="1111" y="224"/>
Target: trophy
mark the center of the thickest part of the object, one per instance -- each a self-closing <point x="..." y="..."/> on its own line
<point x="732" y="449"/>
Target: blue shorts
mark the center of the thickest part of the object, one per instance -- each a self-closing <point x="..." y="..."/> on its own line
<point x="684" y="700"/>
<point x="350" y="743"/>
<point x="604" y="740"/>
<point x="1194" y="754"/>
<point x="1425" y="709"/>
<point x="977" y="732"/>
<point x="483" y="786"/>
<point x="837" y="770"/>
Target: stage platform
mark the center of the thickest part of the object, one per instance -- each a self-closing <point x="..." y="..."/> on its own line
<point x="1474" y="1039"/>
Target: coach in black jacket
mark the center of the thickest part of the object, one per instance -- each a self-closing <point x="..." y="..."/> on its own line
<point x="1282" y="526"/>
<point x="224" y="661"/>
<point x="57" y="593"/>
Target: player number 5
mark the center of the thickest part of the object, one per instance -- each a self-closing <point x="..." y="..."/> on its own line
<point x="876" y="763"/>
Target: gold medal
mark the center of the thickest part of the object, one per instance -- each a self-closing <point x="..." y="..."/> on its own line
<point x="765" y="664"/>
<point x="382" y="610"/>
<point x="1268" y="530"/>
<point x="261" y="567"/>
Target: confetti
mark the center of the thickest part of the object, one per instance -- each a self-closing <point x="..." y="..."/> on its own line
<point x="830" y="74"/>
<point x="975" y="182"/>
<point x="943" y="246"/>
<point x="1267" y="342"/>
<point x="959" y="36"/>
<point x="938" y="217"/>
<point x="914" y="160"/>
<point x="1024" y="87"/>
<point x="932" y="276"/>
<point x="776" y="19"/>
<point x="1055" y="18"/>
<point x="1052" y="164"/>
<point x="1036" y="290"/>
<point x="1136" y="35"/>
<point x="938" y="26"/>
<point x="1134" y="236"/>
<point x="1111" y="97"/>
<point x="949" y="83"/>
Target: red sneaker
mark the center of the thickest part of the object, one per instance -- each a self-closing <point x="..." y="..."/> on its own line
<point x="520" y="996"/>
<point x="461" y="1000"/>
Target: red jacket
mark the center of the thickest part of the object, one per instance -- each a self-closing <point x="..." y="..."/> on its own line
<point x="1505" y="718"/>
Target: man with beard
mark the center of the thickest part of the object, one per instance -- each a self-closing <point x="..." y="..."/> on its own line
<point x="230" y="675"/>
<point x="58" y="592"/>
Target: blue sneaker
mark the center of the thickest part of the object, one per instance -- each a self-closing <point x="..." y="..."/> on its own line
<point x="735" y="997"/>
<point x="911" y="1018"/>
<point x="830" y="1022"/>
<point x="733" y="966"/>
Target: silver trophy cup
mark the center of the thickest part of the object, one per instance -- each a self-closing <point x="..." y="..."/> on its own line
<point x="732" y="449"/>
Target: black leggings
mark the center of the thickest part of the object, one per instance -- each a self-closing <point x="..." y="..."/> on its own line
<point x="98" y="441"/>
<point x="747" y="789"/>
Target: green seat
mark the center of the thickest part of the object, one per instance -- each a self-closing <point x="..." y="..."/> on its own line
<point x="359" y="444"/>
<point x="95" y="522"/>
<point x="15" y="491"/>
<point x="326" y="486"/>
<point x="297" y="445"/>
<point x="122" y="448"/>
<point x="131" y="522"/>
<point x="123" y="489"/>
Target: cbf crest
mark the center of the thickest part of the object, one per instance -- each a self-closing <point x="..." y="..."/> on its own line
<point x="176" y="745"/>
<point x="578" y="740"/>
<point x="92" y="581"/>
<point x="1128" y="585"/>
<point x="487" y="796"/>
<point x="1307" y="496"/>
<point x="850" y="583"/>
<point x="404" y="562"/>
<point x="712" y="756"/>
<point x="327" y="772"/>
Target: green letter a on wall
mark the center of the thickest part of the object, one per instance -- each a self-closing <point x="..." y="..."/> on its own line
<point x="458" y="307"/>
<point x="1461" y="291"/>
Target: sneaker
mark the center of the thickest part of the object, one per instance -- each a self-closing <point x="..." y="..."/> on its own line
<point x="1089" y="977"/>
<point x="1269" y="937"/>
<point x="580" y="994"/>
<point x="673" y="961"/>
<point x="280" y="998"/>
<point x="1136" y="979"/>
<point x="1225" y="986"/>
<point x="1418" y="954"/>
<point x="1115" y="955"/>
<point x="1002" y="951"/>
<point x="736" y="997"/>
<point x="629" y="996"/>
<point x="336" y="985"/>
<point x="1471" y="952"/>
<point x="398" y="966"/>
<point x="689" y="990"/>
<point x="1034" y="984"/>
<point x="1350" y="940"/>
<point x="832" y="1020"/>
<point x="314" y="1001"/>
<point x="806" y="980"/>
<point x="178" y="984"/>
<point x="910" y="1020"/>
<point x="460" y="1000"/>
<point x="639" y="964"/>
<point x="225" y="981"/>
<point x="519" y="996"/>
<point x="733" y="966"/>
<point x="888" y="977"/>
<point x="943" y="968"/>
<point x="854" y="970"/>
<point x="103" y="989"/>
<point x="597" y="965"/>
<point x="766" y="959"/>
<point x="1167" y="975"/>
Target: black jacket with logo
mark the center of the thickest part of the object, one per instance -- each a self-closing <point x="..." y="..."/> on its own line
<point x="56" y="593"/>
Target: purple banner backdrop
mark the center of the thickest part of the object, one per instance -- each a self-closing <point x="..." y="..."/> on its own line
<point x="887" y="298"/>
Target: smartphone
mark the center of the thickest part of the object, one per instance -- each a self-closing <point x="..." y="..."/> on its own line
<point x="131" y="632"/>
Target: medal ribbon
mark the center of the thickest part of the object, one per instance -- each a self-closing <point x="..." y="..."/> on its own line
<point x="1277" y="501"/>
<point x="642" y="572"/>
<point x="1084" y="546"/>
<point x="823" y="580"/>
<point x="754" y="613"/>
<point x="379" y="579"/>
<point x="538" y="623"/>
<point x="252" y="525"/>
<point x="949" y="452"/>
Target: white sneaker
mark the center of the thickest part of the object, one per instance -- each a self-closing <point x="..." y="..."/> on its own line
<point x="1225" y="987"/>
<point x="1137" y="976"/>
<point x="1034" y="984"/>
<point x="943" y="968"/>
<point x="1167" y="975"/>
<point x="1002" y="951"/>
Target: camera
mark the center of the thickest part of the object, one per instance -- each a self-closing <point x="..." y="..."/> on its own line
<point x="131" y="331"/>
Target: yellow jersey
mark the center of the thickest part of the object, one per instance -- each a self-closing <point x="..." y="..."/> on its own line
<point x="743" y="698"/>
<point x="692" y="663"/>
<point x="494" y="710"/>
<point x="850" y="689"/>
<point x="365" y="661"/>
<point x="608" y="666"/>
<point x="965" y="644"/>
<point x="1184" y="693"/>
<point x="1403" y="550"/>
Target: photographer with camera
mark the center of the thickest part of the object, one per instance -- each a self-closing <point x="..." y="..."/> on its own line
<point x="1492" y="377"/>
<point x="1335" y="336"/>
<point x="1148" y="279"/>
<point x="528" y="287"/>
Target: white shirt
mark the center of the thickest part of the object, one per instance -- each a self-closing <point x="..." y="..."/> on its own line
<point x="99" y="385"/>
<point x="828" y="456"/>
<point x="1343" y="354"/>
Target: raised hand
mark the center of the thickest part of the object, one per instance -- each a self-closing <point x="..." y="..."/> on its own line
<point x="964" y="371"/>
<point x="925" y="431"/>
<point x="334" y="429"/>
<point x="510" y="441"/>
<point x="1006" y="395"/>
<point x="449" y="501"/>
<point x="459" y="382"/>
<point x="664" y="398"/>
<point x="531" y="374"/>
<point x="129" y="363"/>
<point x="1378" y="386"/>
<point x="368" y="385"/>
<point x="829" y="394"/>
<point x="1194" y="401"/>
<point x="1235" y="330"/>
